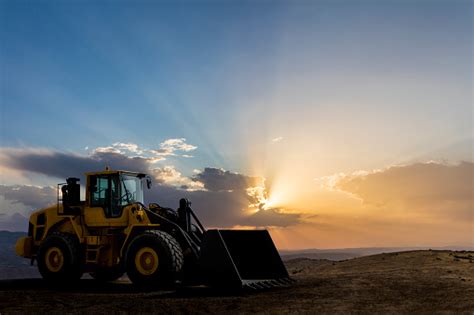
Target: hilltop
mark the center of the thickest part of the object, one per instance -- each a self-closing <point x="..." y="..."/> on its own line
<point x="407" y="282"/>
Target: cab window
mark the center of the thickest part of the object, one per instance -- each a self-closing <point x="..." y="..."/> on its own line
<point x="99" y="189"/>
<point x="104" y="192"/>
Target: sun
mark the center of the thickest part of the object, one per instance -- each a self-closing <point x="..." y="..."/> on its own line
<point x="261" y="201"/>
<point x="258" y="197"/>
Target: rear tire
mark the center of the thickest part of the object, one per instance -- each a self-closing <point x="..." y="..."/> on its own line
<point x="154" y="259"/>
<point x="59" y="259"/>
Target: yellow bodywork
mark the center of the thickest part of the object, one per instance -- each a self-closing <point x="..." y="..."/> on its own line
<point x="23" y="246"/>
<point x="103" y="238"/>
<point x="92" y="228"/>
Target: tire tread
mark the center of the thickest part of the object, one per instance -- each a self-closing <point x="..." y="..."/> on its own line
<point x="172" y="251"/>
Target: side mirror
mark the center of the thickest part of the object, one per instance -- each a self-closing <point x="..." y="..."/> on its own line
<point x="148" y="182"/>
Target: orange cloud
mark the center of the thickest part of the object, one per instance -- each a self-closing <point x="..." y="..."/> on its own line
<point x="433" y="189"/>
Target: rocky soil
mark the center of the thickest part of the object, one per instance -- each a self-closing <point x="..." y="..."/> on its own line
<point x="423" y="282"/>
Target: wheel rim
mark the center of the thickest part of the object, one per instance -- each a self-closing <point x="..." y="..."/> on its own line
<point x="54" y="259"/>
<point x="146" y="261"/>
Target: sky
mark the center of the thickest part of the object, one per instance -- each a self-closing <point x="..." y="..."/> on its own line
<point x="330" y="123"/>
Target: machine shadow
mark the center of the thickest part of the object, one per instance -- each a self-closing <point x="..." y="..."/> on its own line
<point x="118" y="287"/>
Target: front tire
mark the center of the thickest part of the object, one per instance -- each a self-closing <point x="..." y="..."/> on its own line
<point x="154" y="259"/>
<point x="59" y="258"/>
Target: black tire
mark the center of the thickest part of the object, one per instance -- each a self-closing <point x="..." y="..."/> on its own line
<point x="59" y="258"/>
<point x="164" y="255"/>
<point x="107" y="274"/>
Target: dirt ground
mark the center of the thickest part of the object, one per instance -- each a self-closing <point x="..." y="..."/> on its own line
<point x="410" y="282"/>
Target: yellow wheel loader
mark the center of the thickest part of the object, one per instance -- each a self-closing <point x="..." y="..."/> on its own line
<point x="112" y="232"/>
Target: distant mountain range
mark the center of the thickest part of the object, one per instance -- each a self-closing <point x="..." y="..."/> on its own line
<point x="11" y="265"/>
<point x="14" y="267"/>
<point x="348" y="253"/>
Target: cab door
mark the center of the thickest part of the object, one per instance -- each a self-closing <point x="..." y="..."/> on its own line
<point x="104" y="208"/>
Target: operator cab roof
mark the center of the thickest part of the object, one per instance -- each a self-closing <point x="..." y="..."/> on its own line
<point x="111" y="172"/>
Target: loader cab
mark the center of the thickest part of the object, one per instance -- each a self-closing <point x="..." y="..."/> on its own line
<point x="113" y="190"/>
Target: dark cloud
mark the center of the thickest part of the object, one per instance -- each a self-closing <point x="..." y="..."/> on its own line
<point x="217" y="209"/>
<point x="63" y="165"/>
<point x="215" y="179"/>
<point x="432" y="187"/>
<point x="31" y="196"/>
<point x="214" y="208"/>
<point x="223" y="203"/>
<point x="220" y="208"/>
<point x="18" y="201"/>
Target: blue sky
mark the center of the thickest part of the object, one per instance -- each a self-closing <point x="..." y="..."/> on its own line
<point x="290" y="90"/>
<point x="141" y="72"/>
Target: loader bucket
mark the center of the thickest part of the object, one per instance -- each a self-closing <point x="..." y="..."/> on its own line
<point x="239" y="259"/>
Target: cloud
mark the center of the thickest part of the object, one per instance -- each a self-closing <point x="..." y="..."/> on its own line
<point x="18" y="201"/>
<point x="272" y="217"/>
<point x="62" y="165"/>
<point x="277" y="139"/>
<point x="216" y="179"/>
<point x="431" y="188"/>
<point x="221" y="208"/>
<point x="31" y="196"/>
<point x="220" y="197"/>
<point x="119" y="155"/>
<point x="169" y="147"/>
<point x="121" y="148"/>
<point x="168" y="175"/>
<point x="223" y="199"/>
